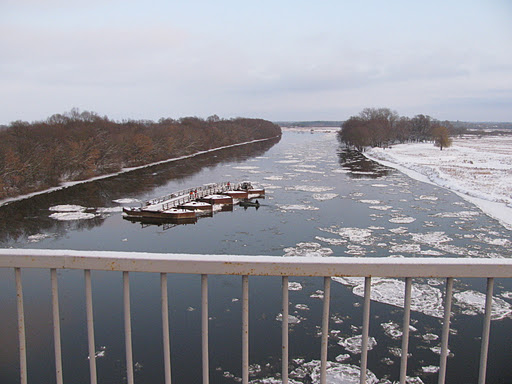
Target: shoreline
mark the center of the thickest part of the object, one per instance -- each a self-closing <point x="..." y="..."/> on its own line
<point x="496" y="210"/>
<point x="69" y="184"/>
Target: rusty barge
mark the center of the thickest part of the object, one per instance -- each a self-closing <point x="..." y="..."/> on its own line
<point x="189" y="204"/>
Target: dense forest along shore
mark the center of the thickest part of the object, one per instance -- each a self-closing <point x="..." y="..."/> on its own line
<point x="78" y="146"/>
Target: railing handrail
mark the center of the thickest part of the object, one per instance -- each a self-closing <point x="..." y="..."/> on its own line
<point x="256" y="265"/>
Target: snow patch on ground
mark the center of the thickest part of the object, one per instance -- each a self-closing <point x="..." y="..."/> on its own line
<point x="478" y="169"/>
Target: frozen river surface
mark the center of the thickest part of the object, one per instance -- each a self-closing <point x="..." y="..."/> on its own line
<point x="321" y="201"/>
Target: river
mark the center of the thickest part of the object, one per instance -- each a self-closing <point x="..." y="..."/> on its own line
<point x="320" y="201"/>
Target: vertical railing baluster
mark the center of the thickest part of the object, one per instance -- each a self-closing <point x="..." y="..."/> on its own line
<point x="127" y="327"/>
<point x="284" y="338"/>
<point x="485" y="332"/>
<point x="56" y="326"/>
<point x="245" y="329"/>
<point x="165" y="327"/>
<point x="366" y="327"/>
<point x="21" y="327"/>
<point x="90" y="327"/>
<point x="446" y="329"/>
<point x="204" y="328"/>
<point x="325" y="329"/>
<point x="405" y="331"/>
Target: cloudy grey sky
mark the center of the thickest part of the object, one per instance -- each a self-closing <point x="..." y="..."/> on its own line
<point x="278" y="59"/>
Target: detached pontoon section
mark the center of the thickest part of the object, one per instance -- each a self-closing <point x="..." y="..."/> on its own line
<point x="246" y="266"/>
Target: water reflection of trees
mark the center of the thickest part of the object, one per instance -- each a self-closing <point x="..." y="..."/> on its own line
<point x="23" y="218"/>
<point x="359" y="166"/>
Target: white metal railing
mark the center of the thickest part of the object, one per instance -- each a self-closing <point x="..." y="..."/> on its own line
<point x="246" y="266"/>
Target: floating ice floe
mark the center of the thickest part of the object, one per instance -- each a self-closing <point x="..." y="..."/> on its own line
<point x="318" y="294"/>
<point x="38" y="237"/>
<point x="430" y="337"/>
<point x="402" y="220"/>
<point x="274" y="178"/>
<point x="473" y="303"/>
<point x="70" y="212"/>
<point x="337" y="373"/>
<point x="457" y="215"/>
<point x="105" y="210"/>
<point x="243" y="167"/>
<point x="291" y="319"/>
<point x="381" y="207"/>
<point x="309" y="249"/>
<point x="297" y="207"/>
<point x="399" y="230"/>
<point x="302" y="307"/>
<point x="308" y="171"/>
<point x="341" y="358"/>
<point x="407" y="248"/>
<point x="294" y="286"/>
<point x="370" y="201"/>
<point x="431" y="238"/>
<point x="426" y="197"/>
<point x="430" y="369"/>
<point x="355" y="235"/>
<point x="355" y="250"/>
<point x="424" y="298"/>
<point x="331" y="241"/>
<point x="70" y="216"/>
<point x="394" y="330"/>
<point x="324" y="196"/>
<point x="126" y="201"/>
<point x="354" y="344"/>
<point x="310" y="188"/>
<point x="67" y="208"/>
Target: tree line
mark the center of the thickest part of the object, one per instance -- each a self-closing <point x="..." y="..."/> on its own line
<point x="381" y="127"/>
<point x="80" y="145"/>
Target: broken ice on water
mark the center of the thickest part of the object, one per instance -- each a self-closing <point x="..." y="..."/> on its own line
<point x="424" y="298"/>
<point x="473" y="303"/>
<point x="294" y="286"/>
<point x="354" y="344"/>
<point x="356" y="235"/>
<point x="309" y="249"/>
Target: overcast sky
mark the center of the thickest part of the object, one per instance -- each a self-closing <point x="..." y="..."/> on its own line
<point x="278" y="59"/>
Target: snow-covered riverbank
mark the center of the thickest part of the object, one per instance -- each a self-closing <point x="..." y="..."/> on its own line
<point x="478" y="169"/>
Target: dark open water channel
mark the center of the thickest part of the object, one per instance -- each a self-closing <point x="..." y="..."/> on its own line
<point x="320" y="201"/>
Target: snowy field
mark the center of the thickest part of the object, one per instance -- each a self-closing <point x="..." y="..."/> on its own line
<point x="478" y="169"/>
